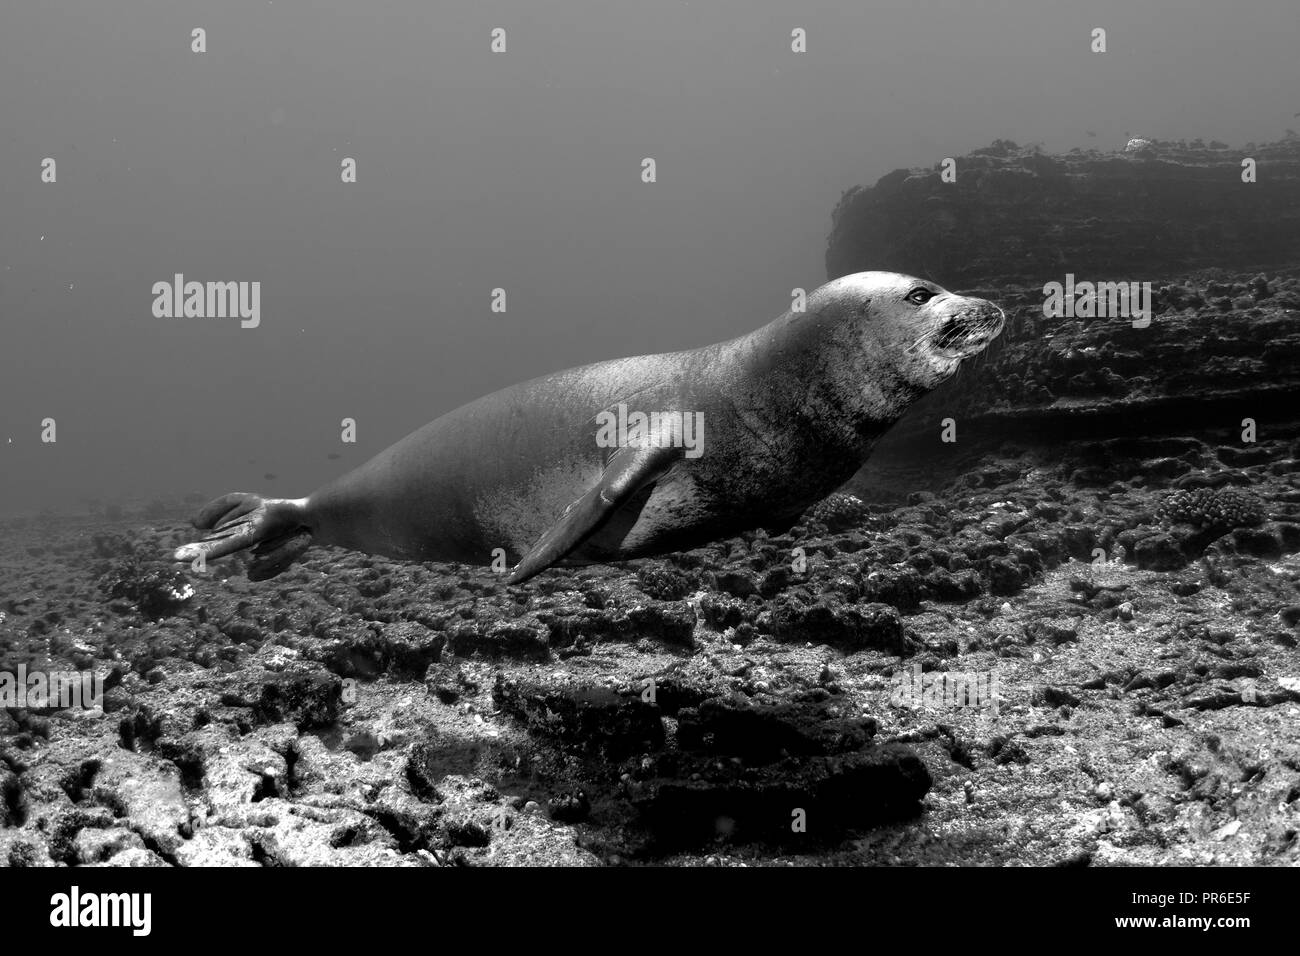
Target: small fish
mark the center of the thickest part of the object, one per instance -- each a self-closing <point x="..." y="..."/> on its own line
<point x="269" y="476"/>
<point x="333" y="456"/>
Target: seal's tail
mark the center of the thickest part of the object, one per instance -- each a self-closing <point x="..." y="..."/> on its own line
<point x="275" y="528"/>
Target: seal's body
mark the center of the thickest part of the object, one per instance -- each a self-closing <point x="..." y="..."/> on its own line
<point x="742" y="434"/>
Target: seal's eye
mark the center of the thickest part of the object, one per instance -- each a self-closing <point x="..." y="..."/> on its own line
<point x="920" y="296"/>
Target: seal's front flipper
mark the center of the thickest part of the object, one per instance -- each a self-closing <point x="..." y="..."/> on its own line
<point x="276" y="527"/>
<point x="628" y="471"/>
<point x="276" y="555"/>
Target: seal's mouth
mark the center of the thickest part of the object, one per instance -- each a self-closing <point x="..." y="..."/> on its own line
<point x="965" y="333"/>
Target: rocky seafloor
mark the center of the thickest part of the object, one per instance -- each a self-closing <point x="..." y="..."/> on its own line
<point x="1142" y="626"/>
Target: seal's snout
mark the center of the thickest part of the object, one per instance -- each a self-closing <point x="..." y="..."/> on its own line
<point x="969" y="330"/>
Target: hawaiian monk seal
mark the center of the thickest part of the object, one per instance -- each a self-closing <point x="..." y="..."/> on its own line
<point x="561" y="469"/>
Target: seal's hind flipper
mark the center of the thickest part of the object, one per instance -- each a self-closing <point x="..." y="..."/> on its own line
<point x="276" y="527"/>
<point x="629" y="471"/>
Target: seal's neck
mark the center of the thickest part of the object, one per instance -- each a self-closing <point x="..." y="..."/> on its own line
<point x="845" y="389"/>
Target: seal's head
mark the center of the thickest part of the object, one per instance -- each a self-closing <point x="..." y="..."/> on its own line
<point x="914" y="328"/>
<point x="866" y="347"/>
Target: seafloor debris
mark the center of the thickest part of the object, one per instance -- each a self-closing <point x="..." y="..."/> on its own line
<point x="156" y="590"/>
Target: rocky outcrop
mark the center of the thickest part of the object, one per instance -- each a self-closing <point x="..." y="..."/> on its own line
<point x="1222" y="259"/>
<point x="1016" y="215"/>
<point x="1213" y="356"/>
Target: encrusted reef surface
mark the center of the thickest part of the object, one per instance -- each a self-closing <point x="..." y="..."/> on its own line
<point x="734" y="704"/>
